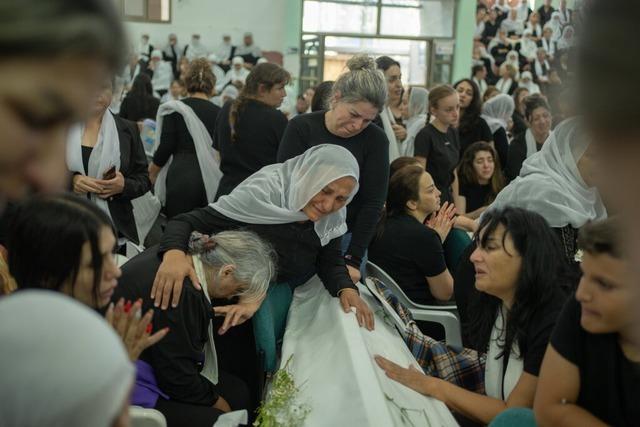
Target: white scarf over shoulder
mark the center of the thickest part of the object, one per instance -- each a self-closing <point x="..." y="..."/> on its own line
<point x="387" y="121"/>
<point x="497" y="111"/>
<point x="277" y="193"/>
<point x="104" y="156"/>
<point x="418" y="100"/>
<point x="550" y="183"/>
<point x="207" y="159"/>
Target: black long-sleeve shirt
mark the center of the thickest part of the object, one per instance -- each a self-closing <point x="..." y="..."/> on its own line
<point x="257" y="135"/>
<point x="177" y="359"/>
<point x="371" y="149"/>
<point x="297" y="245"/>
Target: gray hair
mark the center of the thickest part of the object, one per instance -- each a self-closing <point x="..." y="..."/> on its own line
<point x="362" y="83"/>
<point x="253" y="258"/>
<point x="53" y="28"/>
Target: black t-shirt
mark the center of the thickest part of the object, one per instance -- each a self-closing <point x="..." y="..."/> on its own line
<point x="609" y="382"/>
<point x="478" y="131"/>
<point x="409" y="252"/>
<point x="370" y="148"/>
<point x="258" y="133"/>
<point x="442" y="151"/>
<point x="475" y="195"/>
<point x="501" y="143"/>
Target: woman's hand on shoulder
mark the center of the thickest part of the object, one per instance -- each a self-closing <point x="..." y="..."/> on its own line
<point x="167" y="286"/>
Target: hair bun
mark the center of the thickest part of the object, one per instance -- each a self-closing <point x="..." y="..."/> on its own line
<point x="199" y="243"/>
<point x="361" y="62"/>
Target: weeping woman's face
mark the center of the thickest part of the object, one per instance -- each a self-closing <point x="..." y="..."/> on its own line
<point x="330" y="199"/>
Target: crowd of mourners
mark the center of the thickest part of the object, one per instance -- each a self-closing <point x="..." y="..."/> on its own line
<point x="158" y="212"/>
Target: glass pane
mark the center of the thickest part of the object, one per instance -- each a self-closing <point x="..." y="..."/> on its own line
<point x="414" y="3"/>
<point x="134" y="8"/>
<point x="431" y="18"/>
<point x="338" y="18"/>
<point x="411" y="54"/>
<point x="441" y="74"/>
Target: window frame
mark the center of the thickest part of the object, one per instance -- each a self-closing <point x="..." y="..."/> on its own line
<point x="145" y="17"/>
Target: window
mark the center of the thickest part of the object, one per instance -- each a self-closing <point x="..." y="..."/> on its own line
<point x="146" y="10"/>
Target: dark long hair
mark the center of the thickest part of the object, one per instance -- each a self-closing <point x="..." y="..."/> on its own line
<point x="46" y="238"/>
<point x="268" y="75"/>
<point x="471" y="116"/>
<point x="467" y="173"/>
<point x="321" y="96"/>
<point x="541" y="272"/>
<point x="141" y="93"/>
<point x="404" y="185"/>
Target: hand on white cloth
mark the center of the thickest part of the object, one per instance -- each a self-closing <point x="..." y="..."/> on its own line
<point x="169" y="278"/>
<point x="411" y="377"/>
<point x="350" y="298"/>
<point x="236" y="314"/>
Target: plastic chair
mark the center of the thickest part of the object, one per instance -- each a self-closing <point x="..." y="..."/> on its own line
<point x="515" y="417"/>
<point x="143" y="417"/>
<point x="445" y="315"/>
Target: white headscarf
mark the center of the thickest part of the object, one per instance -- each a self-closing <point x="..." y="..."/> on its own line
<point x="104" y="155"/>
<point x="61" y="364"/>
<point x="532" y="87"/>
<point x="566" y="42"/>
<point x="418" y="105"/>
<point x="497" y="111"/>
<point x="556" y="25"/>
<point x="277" y="193"/>
<point x="207" y="159"/>
<point x="386" y="116"/>
<point x="528" y="47"/>
<point x="551" y="185"/>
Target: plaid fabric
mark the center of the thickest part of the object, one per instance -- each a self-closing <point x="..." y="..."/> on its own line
<point x="463" y="367"/>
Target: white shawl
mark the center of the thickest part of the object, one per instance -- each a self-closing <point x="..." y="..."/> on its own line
<point x="62" y="364"/>
<point x="498" y="111"/>
<point x="104" y="155"/>
<point x="387" y="121"/>
<point x="207" y="159"/>
<point x="551" y="185"/>
<point x="497" y="384"/>
<point x="277" y="193"/>
<point x="418" y="105"/>
<point x="210" y="368"/>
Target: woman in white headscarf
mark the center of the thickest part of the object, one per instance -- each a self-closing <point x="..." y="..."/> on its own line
<point x="62" y="364"/>
<point x="566" y="41"/>
<point x="299" y="206"/>
<point x="528" y="46"/>
<point x="109" y="166"/>
<point x="418" y="100"/>
<point x="526" y="81"/>
<point x="556" y="25"/>
<point x="557" y="183"/>
<point x="497" y="112"/>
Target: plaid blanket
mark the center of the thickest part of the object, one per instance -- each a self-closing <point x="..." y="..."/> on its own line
<point x="461" y="366"/>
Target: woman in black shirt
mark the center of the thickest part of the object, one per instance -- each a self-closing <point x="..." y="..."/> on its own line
<point x="186" y="187"/>
<point x="512" y="313"/>
<point x="357" y="97"/>
<point x="139" y="103"/>
<point x="498" y="112"/>
<point x="472" y="127"/>
<point x="249" y="129"/>
<point x="591" y="370"/>
<point x="298" y="206"/>
<point x="192" y="390"/>
<point x="437" y="146"/>
<point x="519" y="122"/>
<point x="539" y="121"/>
<point x="480" y="180"/>
<point x="407" y="249"/>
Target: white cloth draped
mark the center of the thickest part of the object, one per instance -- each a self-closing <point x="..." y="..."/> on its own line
<point x="210" y="368"/>
<point x="497" y="384"/>
<point x="277" y="193"/>
<point x="62" y="364"/>
<point x="498" y="111"/>
<point x="387" y="121"/>
<point x="332" y="363"/>
<point x="504" y="85"/>
<point x="104" y="156"/>
<point x="162" y="76"/>
<point x="207" y="159"/>
<point x="236" y="75"/>
<point x="550" y="183"/>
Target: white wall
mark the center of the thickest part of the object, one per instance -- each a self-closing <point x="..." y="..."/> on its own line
<point x="269" y="21"/>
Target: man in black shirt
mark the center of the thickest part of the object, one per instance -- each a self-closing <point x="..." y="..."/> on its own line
<point x="591" y="370"/>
